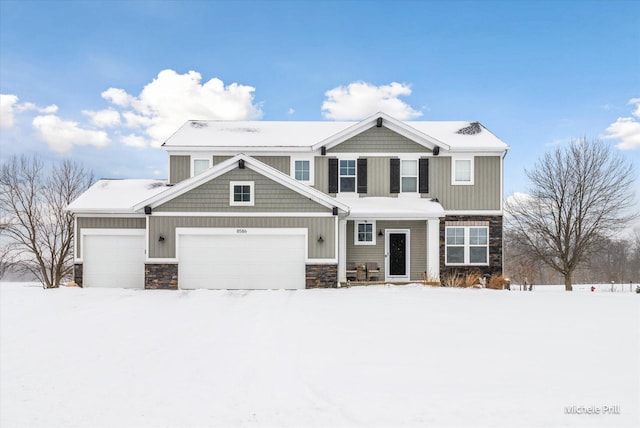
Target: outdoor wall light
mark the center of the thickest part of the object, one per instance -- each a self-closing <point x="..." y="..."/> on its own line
<point x="380" y="232"/>
<point x="161" y="238"/>
<point x="320" y="239"/>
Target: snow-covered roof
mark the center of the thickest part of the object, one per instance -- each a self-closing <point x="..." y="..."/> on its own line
<point x="393" y="208"/>
<point x="198" y="134"/>
<point x="116" y="196"/>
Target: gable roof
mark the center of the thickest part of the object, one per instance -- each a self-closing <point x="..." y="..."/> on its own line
<point x="295" y="136"/>
<point x="230" y="164"/>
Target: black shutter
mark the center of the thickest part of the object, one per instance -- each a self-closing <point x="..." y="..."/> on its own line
<point x="362" y="176"/>
<point x="333" y="175"/>
<point x="394" y="176"/>
<point x="423" y="174"/>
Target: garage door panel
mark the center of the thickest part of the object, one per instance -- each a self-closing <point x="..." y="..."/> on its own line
<point x="113" y="261"/>
<point x="242" y="261"/>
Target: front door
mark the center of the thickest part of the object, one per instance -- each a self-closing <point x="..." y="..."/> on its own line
<point x="397" y="255"/>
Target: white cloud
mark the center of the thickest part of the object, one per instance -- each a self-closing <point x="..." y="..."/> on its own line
<point x="62" y="135"/>
<point x="627" y="129"/>
<point x="171" y="99"/>
<point x="360" y="99"/>
<point x="7" y="106"/>
<point x="291" y="111"/>
<point x="103" y="118"/>
<point x="134" y="140"/>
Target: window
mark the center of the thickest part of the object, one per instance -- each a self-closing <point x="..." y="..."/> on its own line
<point x="365" y="233"/>
<point x="467" y="245"/>
<point x="200" y="166"/>
<point x="241" y="193"/>
<point x="409" y="175"/>
<point x="348" y="175"/>
<point x="301" y="170"/>
<point x="462" y="171"/>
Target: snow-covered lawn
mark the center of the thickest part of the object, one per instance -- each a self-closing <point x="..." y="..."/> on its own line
<point x="365" y="356"/>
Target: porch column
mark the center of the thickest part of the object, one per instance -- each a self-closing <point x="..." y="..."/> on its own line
<point x="433" y="248"/>
<point x="342" y="250"/>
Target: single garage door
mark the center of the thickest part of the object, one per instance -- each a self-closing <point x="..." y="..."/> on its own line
<point x="115" y="261"/>
<point x="242" y="259"/>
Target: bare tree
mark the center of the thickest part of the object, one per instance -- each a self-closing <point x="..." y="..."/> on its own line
<point x="32" y="200"/>
<point x="581" y="194"/>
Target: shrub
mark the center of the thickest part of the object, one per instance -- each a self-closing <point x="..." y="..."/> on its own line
<point x="497" y="282"/>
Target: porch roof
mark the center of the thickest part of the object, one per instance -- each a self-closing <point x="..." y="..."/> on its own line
<point x="393" y="208"/>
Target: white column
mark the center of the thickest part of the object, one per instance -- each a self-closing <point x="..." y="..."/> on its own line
<point x="342" y="250"/>
<point x="433" y="248"/>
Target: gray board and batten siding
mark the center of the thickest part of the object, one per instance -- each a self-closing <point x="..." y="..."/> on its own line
<point x="269" y="196"/>
<point x="106" y="223"/>
<point x="484" y="194"/>
<point x="316" y="226"/>
<point x="180" y="165"/>
<point x="375" y="253"/>
<point x="379" y="140"/>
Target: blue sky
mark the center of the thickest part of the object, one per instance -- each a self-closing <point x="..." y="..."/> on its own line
<point x="83" y="79"/>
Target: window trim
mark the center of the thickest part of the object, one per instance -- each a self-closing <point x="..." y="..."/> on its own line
<point x="251" y="201"/>
<point x="311" y="161"/>
<point x="466" y="245"/>
<point x="416" y="176"/>
<point x="193" y="164"/>
<point x="356" y="223"/>
<point x="355" y="176"/>
<point x="455" y="182"/>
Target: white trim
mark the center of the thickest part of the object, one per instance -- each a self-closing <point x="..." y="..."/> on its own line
<point x="309" y="158"/>
<point x="251" y="202"/>
<point x="387" y="258"/>
<point x="471" y="160"/>
<point x="355" y="175"/>
<point x="466" y="245"/>
<point x="104" y="232"/>
<point x="161" y="261"/>
<point x="238" y="214"/>
<point x="342" y="254"/>
<point x="417" y="176"/>
<point x="433" y="248"/>
<point x="374" y="232"/>
<point x="234" y="150"/>
<point x="108" y="215"/>
<point x="322" y="261"/>
<point x="471" y="212"/>
<point x="193" y="164"/>
<point x="146" y="235"/>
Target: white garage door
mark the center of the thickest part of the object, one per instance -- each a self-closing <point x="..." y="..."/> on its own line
<point x="115" y="261"/>
<point x="245" y="260"/>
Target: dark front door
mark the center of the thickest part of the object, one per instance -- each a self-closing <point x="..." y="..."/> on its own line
<point x="397" y="242"/>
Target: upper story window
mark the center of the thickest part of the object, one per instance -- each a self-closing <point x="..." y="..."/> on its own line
<point x="462" y="171"/>
<point x="200" y="165"/>
<point x="467" y="245"/>
<point x="409" y="175"/>
<point x="347" y="175"/>
<point x="241" y="193"/>
<point x="301" y="170"/>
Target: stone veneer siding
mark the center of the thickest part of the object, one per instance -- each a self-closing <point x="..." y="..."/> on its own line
<point x="77" y="274"/>
<point x="495" y="246"/>
<point x="321" y="276"/>
<point x="162" y="276"/>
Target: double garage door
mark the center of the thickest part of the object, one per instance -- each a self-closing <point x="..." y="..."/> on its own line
<point x="207" y="258"/>
<point x="242" y="258"/>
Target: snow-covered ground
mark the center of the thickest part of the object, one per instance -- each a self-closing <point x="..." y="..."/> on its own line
<point x="362" y="356"/>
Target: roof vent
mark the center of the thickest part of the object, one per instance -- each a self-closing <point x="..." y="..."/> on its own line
<point x="197" y="124"/>
<point x="473" y="129"/>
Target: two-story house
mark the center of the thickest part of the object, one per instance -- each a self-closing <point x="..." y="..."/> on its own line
<point x="299" y="204"/>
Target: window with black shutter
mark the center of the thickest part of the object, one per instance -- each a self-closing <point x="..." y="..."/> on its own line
<point x="423" y="167"/>
<point x="333" y="175"/>
<point x="362" y="176"/>
<point x="394" y="176"/>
